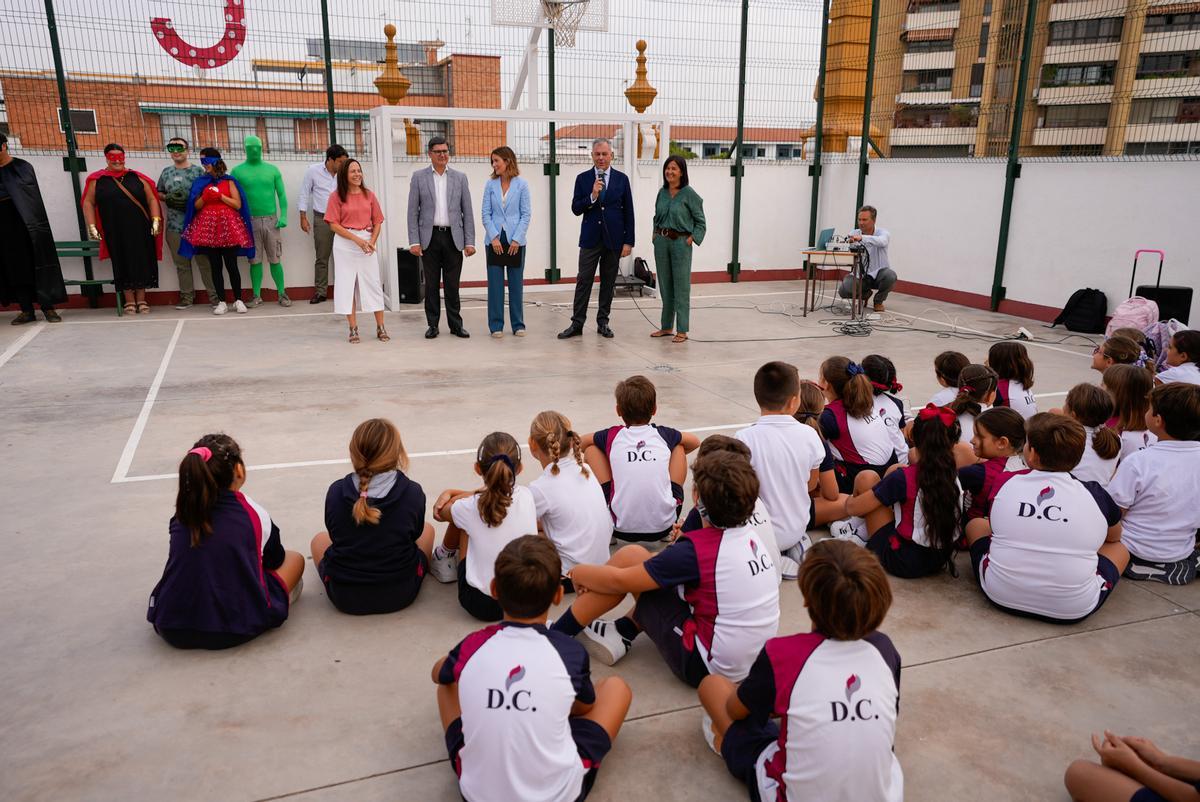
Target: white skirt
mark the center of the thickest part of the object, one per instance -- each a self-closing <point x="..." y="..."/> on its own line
<point x="355" y="276"/>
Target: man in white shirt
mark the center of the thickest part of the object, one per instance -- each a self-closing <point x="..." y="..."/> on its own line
<point x="880" y="277"/>
<point x="320" y="180"/>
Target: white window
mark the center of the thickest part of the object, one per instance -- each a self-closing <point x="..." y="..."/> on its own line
<point x="281" y="135"/>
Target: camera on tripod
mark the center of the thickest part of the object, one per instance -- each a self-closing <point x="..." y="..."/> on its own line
<point x="856" y="247"/>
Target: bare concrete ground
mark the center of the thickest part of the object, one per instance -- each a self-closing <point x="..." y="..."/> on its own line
<point x="97" y="412"/>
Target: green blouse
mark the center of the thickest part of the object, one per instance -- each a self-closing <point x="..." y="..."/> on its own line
<point x="684" y="212"/>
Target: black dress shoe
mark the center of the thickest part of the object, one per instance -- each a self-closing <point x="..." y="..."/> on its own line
<point x="52" y="316"/>
<point x="461" y="333"/>
<point x="431" y="332"/>
<point x="23" y="318"/>
<point x="317" y="299"/>
<point x="605" y="331"/>
<point x="569" y="332"/>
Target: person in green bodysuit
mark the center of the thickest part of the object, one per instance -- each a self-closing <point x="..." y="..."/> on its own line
<point x="264" y="184"/>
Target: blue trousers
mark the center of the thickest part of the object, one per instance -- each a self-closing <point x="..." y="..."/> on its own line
<point x="496" y="275"/>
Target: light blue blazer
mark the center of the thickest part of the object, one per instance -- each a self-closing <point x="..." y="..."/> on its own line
<point x="512" y="217"/>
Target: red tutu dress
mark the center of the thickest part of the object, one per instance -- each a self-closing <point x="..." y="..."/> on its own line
<point x="218" y="225"/>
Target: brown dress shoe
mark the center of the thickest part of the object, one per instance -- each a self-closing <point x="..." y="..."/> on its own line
<point x="23" y="318"/>
<point x="878" y="307"/>
<point x="52" y="316"/>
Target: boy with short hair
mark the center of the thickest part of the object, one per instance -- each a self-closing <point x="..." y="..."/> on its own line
<point x="522" y="718"/>
<point x="836" y="688"/>
<point x="786" y="455"/>
<point x="641" y="465"/>
<point x="708" y="601"/>
<point x="1158" y="486"/>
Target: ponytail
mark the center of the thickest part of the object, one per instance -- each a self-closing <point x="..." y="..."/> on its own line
<point x="975" y="384"/>
<point x="849" y="382"/>
<point x="1092" y="406"/>
<point x="375" y="448"/>
<point x="203" y="472"/>
<point x="937" y="480"/>
<point x="882" y="373"/>
<point x="812" y="404"/>
<point x="498" y="459"/>
<point x="551" y="432"/>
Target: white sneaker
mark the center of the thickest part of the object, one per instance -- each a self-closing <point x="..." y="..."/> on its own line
<point x="239" y="307"/>
<point x="220" y="308"/>
<point x="710" y="737"/>
<point x="604" y="643"/>
<point x="788" y="568"/>
<point x="256" y="300"/>
<point x="444" y="565"/>
<point x="852" y="529"/>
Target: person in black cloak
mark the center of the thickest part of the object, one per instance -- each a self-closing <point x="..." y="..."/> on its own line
<point x="29" y="268"/>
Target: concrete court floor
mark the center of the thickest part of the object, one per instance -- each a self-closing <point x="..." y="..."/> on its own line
<point x="332" y="707"/>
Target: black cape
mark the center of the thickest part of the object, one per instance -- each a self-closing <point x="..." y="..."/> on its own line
<point x="20" y="182"/>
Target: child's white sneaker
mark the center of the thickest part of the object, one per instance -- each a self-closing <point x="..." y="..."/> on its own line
<point x="444" y="565"/>
<point x="710" y="737"/>
<point x="239" y="307"/>
<point x="852" y="529"/>
<point x="789" y="569"/>
<point x="220" y="308"/>
<point x="604" y="643"/>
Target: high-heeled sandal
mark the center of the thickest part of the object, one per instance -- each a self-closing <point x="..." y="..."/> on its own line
<point x="354" y="334"/>
<point x="381" y="334"/>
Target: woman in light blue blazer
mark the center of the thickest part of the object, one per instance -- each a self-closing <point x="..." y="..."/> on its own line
<point x="505" y="221"/>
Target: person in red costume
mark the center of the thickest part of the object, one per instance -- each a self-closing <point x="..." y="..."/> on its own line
<point x="217" y="223"/>
<point x="122" y="211"/>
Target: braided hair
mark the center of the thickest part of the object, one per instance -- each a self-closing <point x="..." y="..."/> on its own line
<point x="375" y="448"/>
<point x="551" y="431"/>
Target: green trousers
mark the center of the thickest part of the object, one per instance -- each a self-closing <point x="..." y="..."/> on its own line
<point x="673" y="267"/>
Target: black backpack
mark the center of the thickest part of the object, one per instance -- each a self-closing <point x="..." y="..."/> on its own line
<point x="642" y="271"/>
<point x="1085" y="312"/>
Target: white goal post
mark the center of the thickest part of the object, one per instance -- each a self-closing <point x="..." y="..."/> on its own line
<point x="390" y="178"/>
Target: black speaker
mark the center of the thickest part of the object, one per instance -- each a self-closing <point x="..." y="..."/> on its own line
<point x="410" y="278"/>
<point x="1173" y="302"/>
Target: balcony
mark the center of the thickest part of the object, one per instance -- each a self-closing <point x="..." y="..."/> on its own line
<point x="932" y="136"/>
<point x="1170" y="41"/>
<point x="1186" y="86"/>
<point x="1061" y="95"/>
<point x="1070" y="136"/>
<point x="929" y="61"/>
<point x="934" y="19"/>
<point x="1075" y="54"/>
<point x="1090" y="9"/>
<point x="1163" y="132"/>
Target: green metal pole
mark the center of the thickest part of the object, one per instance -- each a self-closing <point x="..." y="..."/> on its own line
<point x="815" y="169"/>
<point x="1014" y="163"/>
<point x="328" y="71"/>
<point x="74" y="164"/>
<point x="863" y="166"/>
<point x="553" y="274"/>
<point x="738" y="170"/>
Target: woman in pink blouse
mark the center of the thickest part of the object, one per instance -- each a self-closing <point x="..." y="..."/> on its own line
<point x="355" y="217"/>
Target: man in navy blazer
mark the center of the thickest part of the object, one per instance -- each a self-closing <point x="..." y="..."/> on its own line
<point x="604" y="198"/>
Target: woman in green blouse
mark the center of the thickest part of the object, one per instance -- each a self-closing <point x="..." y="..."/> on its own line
<point x="678" y="224"/>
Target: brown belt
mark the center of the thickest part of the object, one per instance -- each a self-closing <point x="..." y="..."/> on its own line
<point x="671" y="233"/>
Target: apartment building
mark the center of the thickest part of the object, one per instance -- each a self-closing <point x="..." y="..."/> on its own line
<point x="1106" y="77"/>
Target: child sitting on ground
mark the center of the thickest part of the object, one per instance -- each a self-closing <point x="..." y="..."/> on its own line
<point x="228" y="578"/>
<point x="913" y="514"/>
<point x="976" y="392"/>
<point x="709" y="601"/>
<point x="641" y="465"/>
<point x="1051" y="549"/>
<point x="521" y="715"/>
<point x="1130" y="388"/>
<point x="1158" y="488"/>
<point x="786" y="456"/>
<point x="853" y="427"/>
<point x="1183" y="352"/>
<point x="817" y="683"/>
<point x="1092" y="406"/>
<point x="1132" y="770"/>
<point x="481" y="523"/>
<point x="946" y="367"/>
<point x="570" y="503"/>
<point x="882" y="373"/>
<point x="826" y="503"/>
<point x="998" y="441"/>
<point x="1118" y="350"/>
<point x="1014" y="369"/>
<point x="377" y="546"/>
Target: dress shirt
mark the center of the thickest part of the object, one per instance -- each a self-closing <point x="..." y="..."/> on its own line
<point x="877" y="245"/>
<point x="441" y="204"/>
<point x="316" y="188"/>
<point x="607" y="176"/>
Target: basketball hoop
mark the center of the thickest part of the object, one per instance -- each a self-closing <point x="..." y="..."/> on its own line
<point x="564" y="17"/>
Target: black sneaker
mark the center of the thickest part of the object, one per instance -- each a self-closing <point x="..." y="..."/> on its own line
<point x="23" y="318"/>
<point x="319" y="298"/>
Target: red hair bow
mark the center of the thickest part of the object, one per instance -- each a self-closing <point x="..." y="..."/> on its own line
<point x="946" y="414"/>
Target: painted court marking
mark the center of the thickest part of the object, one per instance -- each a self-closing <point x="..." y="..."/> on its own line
<point x="139" y="426"/>
<point x="20" y="343"/>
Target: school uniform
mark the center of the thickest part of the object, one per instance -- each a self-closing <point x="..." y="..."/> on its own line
<point x="904" y="547"/>
<point x="837" y="703"/>
<point x="944" y="396"/>
<point x="827" y="464"/>
<point x="760" y="521"/>
<point x="1188" y="372"/>
<point x="891" y="409"/>
<point x="225" y="591"/>
<point x="784" y="452"/>
<point x="1158" y="487"/>
<point x="1011" y="393"/>
<point x="645" y="503"/>
<point x="717" y="603"/>
<point x="516" y="738"/>
<point x="484" y="545"/>
<point x="1092" y="467"/>
<point x="1041" y="559"/>
<point x="573" y="513"/>
<point x="966" y="423"/>
<point x="1134" y="441"/>
<point x="374" y="568"/>
<point x="858" y="444"/>
<point x="981" y="481"/>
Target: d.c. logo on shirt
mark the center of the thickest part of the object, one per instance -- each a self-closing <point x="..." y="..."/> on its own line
<point x="849" y="709"/>
<point x="1050" y="512"/>
<point x="759" y="560"/>
<point x="639" y="453"/>
<point x="519" y="699"/>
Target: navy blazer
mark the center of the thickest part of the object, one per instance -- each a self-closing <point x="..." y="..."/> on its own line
<point x="609" y="221"/>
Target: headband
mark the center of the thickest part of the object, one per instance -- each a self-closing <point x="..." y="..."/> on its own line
<point x="853" y="369"/>
<point x="204" y="452"/>
<point x="945" y="414"/>
<point x="209" y="160"/>
<point x="965" y="388"/>
<point x="499" y="458"/>
<point x="894" y="387"/>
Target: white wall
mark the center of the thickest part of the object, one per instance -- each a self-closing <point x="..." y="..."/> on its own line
<point x="1074" y="224"/>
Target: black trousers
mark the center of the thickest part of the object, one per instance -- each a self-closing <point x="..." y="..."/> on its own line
<point x="227" y="257"/>
<point x="442" y="262"/>
<point x="608" y="261"/>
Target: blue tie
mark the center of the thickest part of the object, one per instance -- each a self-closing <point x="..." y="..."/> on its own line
<point x="603" y="186"/>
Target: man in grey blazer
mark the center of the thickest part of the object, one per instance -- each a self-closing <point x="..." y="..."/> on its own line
<point x="441" y="228"/>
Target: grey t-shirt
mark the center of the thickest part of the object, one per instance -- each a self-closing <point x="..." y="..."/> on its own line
<point x="174" y="186"/>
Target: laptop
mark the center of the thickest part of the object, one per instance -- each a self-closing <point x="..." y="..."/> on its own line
<point x="823" y="239"/>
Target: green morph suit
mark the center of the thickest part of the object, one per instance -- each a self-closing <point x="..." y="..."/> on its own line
<point x="263" y="183"/>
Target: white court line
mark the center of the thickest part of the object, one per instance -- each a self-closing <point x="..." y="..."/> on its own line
<point x="957" y="325"/>
<point x="139" y="425"/>
<point x="21" y="342"/>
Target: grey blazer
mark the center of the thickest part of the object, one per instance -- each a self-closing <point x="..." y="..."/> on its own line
<point x="421" y="203"/>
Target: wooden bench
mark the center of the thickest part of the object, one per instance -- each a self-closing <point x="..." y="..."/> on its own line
<point x="91" y="287"/>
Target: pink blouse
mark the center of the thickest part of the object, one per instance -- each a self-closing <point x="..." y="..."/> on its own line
<point x="360" y="211"/>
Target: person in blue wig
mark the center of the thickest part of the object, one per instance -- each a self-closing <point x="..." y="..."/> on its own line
<point x="217" y="224"/>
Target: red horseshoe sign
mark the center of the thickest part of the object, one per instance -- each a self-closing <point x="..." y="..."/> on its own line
<point x="206" y="58"/>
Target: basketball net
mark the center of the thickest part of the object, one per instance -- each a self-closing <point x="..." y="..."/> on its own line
<point x="564" y="17"/>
